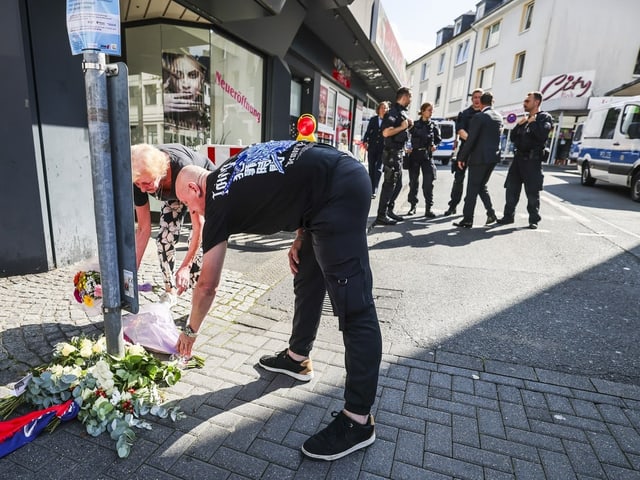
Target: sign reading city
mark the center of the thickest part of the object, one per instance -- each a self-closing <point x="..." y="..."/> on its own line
<point x="563" y="85"/>
<point x="94" y="25"/>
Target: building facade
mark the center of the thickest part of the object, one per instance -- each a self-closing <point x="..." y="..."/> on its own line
<point x="249" y="68"/>
<point x="570" y="51"/>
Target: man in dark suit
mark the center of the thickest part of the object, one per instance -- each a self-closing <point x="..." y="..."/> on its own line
<point x="481" y="153"/>
<point x="374" y="143"/>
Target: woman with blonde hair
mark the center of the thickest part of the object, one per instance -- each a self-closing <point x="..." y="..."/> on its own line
<point x="154" y="170"/>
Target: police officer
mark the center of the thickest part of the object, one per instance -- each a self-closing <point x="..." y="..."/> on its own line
<point x="395" y="126"/>
<point x="462" y="128"/>
<point x="425" y="136"/>
<point x="529" y="137"/>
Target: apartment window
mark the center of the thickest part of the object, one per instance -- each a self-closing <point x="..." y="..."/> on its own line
<point x="462" y="52"/>
<point x="152" y="134"/>
<point x="485" y="77"/>
<point x="439" y="38"/>
<point x="441" y="63"/>
<point x="438" y="92"/>
<point x="636" y="70"/>
<point x="527" y="13"/>
<point x="457" y="88"/>
<point x="458" y="27"/>
<point x="151" y="94"/>
<point x="424" y="72"/>
<point x="421" y="99"/>
<point x="492" y="35"/>
<point x="518" y="66"/>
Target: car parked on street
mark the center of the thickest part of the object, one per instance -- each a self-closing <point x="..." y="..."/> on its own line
<point x="610" y="150"/>
<point x="447" y="145"/>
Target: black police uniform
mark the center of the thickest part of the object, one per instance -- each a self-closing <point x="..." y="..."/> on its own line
<point x="392" y="159"/>
<point x="529" y="140"/>
<point x="462" y="123"/>
<point x="424" y="135"/>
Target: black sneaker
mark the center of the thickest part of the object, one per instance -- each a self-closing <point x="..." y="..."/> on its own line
<point x="429" y="214"/>
<point x="341" y="437"/>
<point x="283" y="363"/>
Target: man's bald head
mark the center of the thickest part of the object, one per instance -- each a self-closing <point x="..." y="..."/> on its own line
<point x="191" y="186"/>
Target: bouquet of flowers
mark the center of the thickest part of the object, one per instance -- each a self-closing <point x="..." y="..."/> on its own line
<point x="87" y="287"/>
<point x="114" y="394"/>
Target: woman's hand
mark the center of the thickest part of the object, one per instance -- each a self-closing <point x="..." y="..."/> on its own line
<point x="184" y="345"/>
<point x="183" y="277"/>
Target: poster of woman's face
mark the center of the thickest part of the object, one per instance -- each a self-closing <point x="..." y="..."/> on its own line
<point x="185" y="79"/>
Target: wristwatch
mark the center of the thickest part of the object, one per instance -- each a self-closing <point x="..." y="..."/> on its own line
<point x="189" y="332"/>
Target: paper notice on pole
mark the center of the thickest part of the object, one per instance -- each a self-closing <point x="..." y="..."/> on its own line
<point x="94" y="25"/>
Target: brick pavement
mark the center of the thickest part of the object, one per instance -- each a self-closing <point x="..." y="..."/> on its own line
<point x="439" y="415"/>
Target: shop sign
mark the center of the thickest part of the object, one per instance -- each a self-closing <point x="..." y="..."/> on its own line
<point x="341" y="73"/>
<point x="238" y="97"/>
<point x="567" y="85"/>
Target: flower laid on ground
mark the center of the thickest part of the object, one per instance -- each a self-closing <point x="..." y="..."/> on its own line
<point x="87" y="287"/>
<point x="113" y="393"/>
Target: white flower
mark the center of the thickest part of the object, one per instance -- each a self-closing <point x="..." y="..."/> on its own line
<point x="86" y="348"/>
<point x="100" y="345"/>
<point x="136" y="350"/>
<point x="65" y="349"/>
<point x="57" y="370"/>
<point x="104" y="376"/>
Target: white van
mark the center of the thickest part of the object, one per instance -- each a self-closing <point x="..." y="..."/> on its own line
<point x="610" y="150"/>
<point x="447" y="145"/>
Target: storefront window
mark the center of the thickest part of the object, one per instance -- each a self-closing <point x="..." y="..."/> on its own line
<point x="334" y="120"/>
<point x="192" y="86"/>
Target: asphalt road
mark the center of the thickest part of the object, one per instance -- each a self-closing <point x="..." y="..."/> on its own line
<point x="563" y="297"/>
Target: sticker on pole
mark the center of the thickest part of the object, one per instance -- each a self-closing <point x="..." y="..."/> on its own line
<point x="512" y="117"/>
<point x="94" y="25"/>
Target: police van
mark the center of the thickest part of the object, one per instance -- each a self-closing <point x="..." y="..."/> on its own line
<point x="576" y="143"/>
<point x="447" y="145"/>
<point x="610" y="150"/>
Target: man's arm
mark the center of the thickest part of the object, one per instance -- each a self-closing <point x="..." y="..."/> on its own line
<point x="203" y="294"/>
<point x="472" y="138"/>
<point x="183" y="273"/>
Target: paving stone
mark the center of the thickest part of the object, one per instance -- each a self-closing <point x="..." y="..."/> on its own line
<point x="453" y="467"/>
<point x="514" y="415"/>
<point x="419" y="375"/>
<point x="428" y="414"/>
<point x="462" y="384"/>
<point x="510" y="370"/>
<point x="378" y="458"/>
<point x="508" y="393"/>
<point x="239" y="462"/>
<point x="391" y="400"/>
<point x="402" y="471"/>
<point x="490" y="423"/>
<point x="275" y="453"/>
<point x="627" y="438"/>
<point x="439" y="439"/>
<point x="607" y="449"/>
<point x="533" y="439"/>
<point x="495" y="461"/>
<point x="528" y="470"/>
<point x="557" y="466"/>
<point x="617" y="389"/>
<point x="558" y="429"/>
<point x="457" y="360"/>
<point x="410" y="448"/>
<point x="564" y="379"/>
<point x="465" y="430"/>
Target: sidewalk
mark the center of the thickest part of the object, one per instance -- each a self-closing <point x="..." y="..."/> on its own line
<point x="438" y="415"/>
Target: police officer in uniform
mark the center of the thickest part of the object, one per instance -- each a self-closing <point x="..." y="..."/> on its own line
<point x="425" y="136"/>
<point x="462" y="128"/>
<point x="529" y="137"/>
<point x="395" y="128"/>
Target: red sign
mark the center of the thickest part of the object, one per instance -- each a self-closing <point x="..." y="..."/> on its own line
<point x="577" y="84"/>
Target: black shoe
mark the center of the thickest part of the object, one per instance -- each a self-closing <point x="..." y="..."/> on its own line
<point x="463" y="224"/>
<point x="505" y="220"/>
<point x="283" y="363"/>
<point x="533" y="226"/>
<point x="384" y="221"/>
<point x="430" y="214"/>
<point x="395" y="217"/>
<point x="412" y="210"/>
<point x="341" y="437"/>
<point x="491" y="218"/>
<point x="450" y="211"/>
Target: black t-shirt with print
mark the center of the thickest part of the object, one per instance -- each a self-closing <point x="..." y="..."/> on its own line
<point x="268" y="188"/>
<point x="179" y="156"/>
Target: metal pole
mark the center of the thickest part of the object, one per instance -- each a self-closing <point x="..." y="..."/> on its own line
<point x="94" y="66"/>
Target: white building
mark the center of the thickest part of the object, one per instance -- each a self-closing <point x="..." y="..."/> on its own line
<point x="568" y="50"/>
